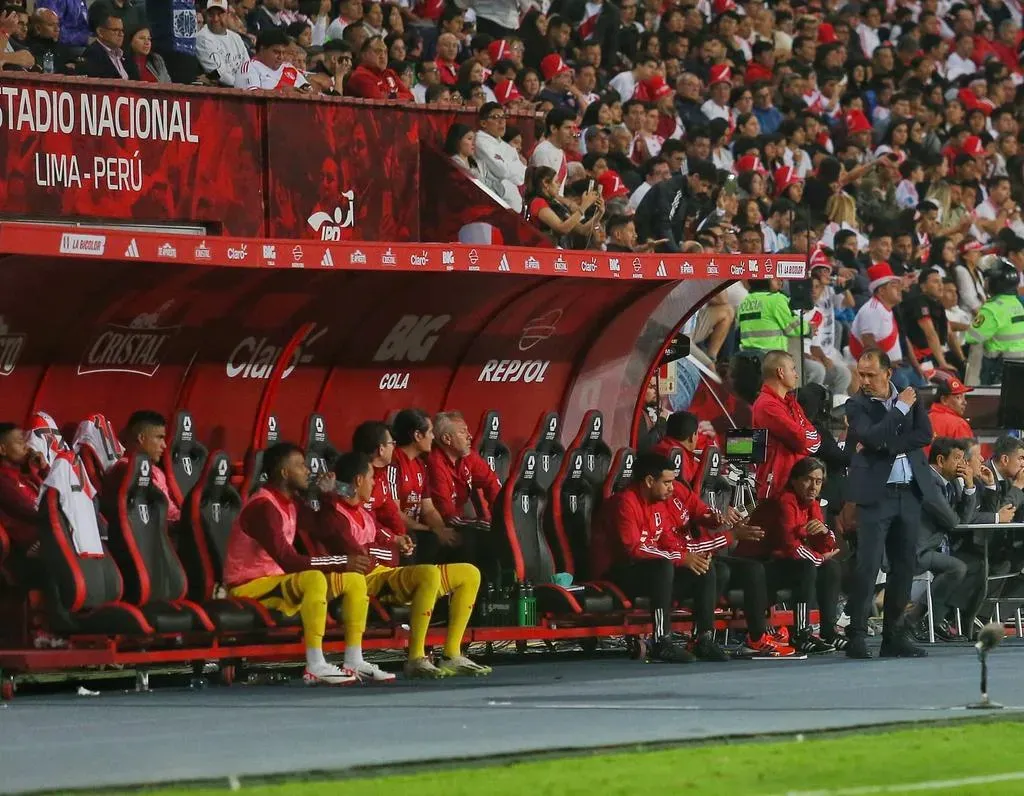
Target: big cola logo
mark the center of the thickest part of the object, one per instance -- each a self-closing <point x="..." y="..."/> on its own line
<point x="11" y="346"/>
<point x="255" y="357"/>
<point x="136" y="347"/>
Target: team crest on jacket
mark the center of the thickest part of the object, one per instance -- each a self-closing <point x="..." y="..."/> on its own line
<point x="684" y="513"/>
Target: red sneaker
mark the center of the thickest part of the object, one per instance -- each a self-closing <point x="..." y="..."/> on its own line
<point x="766" y="647"/>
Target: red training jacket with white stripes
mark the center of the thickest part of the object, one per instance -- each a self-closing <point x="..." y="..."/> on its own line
<point x="791" y="437"/>
<point x="629" y="528"/>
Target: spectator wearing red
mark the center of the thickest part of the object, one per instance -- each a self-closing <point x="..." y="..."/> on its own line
<point x="791" y="436"/>
<point x="947" y="412"/>
<point x="145" y="433"/>
<point x="269" y="69"/>
<point x="447" y="59"/>
<point x="800" y="552"/>
<point x="762" y="67"/>
<point x="19" y="486"/>
<point x="635" y="547"/>
<point x="372" y="79"/>
<point x="373" y="439"/>
<point x="414" y="439"/>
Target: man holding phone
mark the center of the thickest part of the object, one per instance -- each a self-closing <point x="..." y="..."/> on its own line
<point x="888" y="480"/>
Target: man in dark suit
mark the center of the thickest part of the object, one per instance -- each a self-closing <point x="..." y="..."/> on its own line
<point x="887" y="479"/>
<point x="105" y="57"/>
<point x="953" y="500"/>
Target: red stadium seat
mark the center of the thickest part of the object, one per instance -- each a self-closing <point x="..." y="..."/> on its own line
<point x="206" y="522"/>
<point x="519" y="518"/>
<point x="184" y="459"/>
<point x="254" y="477"/>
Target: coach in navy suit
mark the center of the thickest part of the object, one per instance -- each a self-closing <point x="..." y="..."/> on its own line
<point x="887" y="480"/>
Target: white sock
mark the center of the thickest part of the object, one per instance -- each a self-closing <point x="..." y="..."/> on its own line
<point x="353" y="656"/>
<point x="315" y="657"/>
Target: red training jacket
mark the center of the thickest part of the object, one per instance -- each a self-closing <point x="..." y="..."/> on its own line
<point x="628" y="528"/>
<point x="353" y="530"/>
<point x="408" y="478"/>
<point x="689" y="516"/>
<point x="383" y="504"/>
<point x="784" y="520"/>
<point x="791" y="437"/>
<point x="370" y="83"/>
<point x="947" y="423"/>
<point x="18" y="514"/>
<point x="452" y="483"/>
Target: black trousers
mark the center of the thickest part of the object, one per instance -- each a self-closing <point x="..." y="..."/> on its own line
<point x="747" y="574"/>
<point x="890" y="527"/>
<point x="661" y="582"/>
<point x="811" y="586"/>
<point x="477" y="548"/>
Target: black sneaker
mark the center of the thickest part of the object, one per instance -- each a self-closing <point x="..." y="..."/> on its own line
<point x="665" y="651"/>
<point x="836" y="641"/>
<point x="946" y="632"/>
<point x="918" y="631"/>
<point x="857" y="647"/>
<point x="707" y="649"/>
<point x="809" y="644"/>
<point x="900" y="646"/>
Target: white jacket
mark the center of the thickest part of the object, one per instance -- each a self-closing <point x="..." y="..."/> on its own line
<point x="501" y="168"/>
<point x="223" y="54"/>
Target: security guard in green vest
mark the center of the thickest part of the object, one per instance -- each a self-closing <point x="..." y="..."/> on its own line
<point x="999" y="324"/>
<point x="766" y="319"/>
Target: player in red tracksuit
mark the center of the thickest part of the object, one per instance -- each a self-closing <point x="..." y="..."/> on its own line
<point x="19" y="487"/>
<point x="800" y="552"/>
<point x="634" y="546"/>
<point x="791" y="436"/>
<point x="146" y="433"/>
<point x="454" y="473"/>
<point x="373" y="439"/>
<point x="413" y="431"/>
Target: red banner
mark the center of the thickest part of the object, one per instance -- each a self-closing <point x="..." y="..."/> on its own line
<point x="85" y="150"/>
<point x="277" y="254"/>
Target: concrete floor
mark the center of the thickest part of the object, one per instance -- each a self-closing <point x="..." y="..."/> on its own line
<point x="63" y="740"/>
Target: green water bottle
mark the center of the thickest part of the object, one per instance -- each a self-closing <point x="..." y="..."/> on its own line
<point x="522" y="608"/>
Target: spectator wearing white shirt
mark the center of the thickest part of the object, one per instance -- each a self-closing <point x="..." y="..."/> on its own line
<point x="720" y="83"/>
<point x="655" y="170"/>
<point x="501" y="167"/>
<point x="560" y="135"/>
<point x="997" y="211"/>
<point x="349" y="11"/>
<point x="625" y="83"/>
<point x="221" y="52"/>
<point x="970" y="281"/>
<point x="427" y="75"/>
<point x="269" y="70"/>
<point x="959" y="61"/>
<point x="868" y="30"/>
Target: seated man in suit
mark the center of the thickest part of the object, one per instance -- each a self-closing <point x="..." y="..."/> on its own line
<point x="105" y="57"/>
<point x="888" y="478"/>
<point x="954" y="501"/>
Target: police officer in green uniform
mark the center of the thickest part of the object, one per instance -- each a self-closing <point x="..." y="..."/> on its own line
<point x="999" y="324"/>
<point x="766" y="319"/>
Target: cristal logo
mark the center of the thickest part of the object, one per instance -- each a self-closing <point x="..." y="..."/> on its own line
<point x="411" y="339"/>
<point x="135" y="348"/>
<point x="330" y="227"/>
<point x="255" y="357"/>
<point x="10" y="348"/>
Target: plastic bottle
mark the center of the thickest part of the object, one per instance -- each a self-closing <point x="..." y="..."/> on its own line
<point x="522" y="610"/>
<point x="48" y="62"/>
<point x="490" y="598"/>
<point x="531" y="606"/>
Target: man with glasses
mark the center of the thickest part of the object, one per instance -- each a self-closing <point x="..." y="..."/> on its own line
<point x="105" y="56"/>
<point x="373" y="439"/>
<point x="372" y="79"/>
<point x="501" y="167"/>
<point x="221" y="52"/>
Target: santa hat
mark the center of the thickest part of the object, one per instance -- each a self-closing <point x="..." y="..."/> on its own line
<point x="881" y="274"/>
<point x="498" y="50"/>
<point x="505" y="92"/>
<point x="784" y="177"/>
<point x="552" y="65"/>
<point x="751" y="163"/>
<point x="612" y="185"/>
<point x="857" y="122"/>
<point x="720" y="73"/>
<point x="819" y="259"/>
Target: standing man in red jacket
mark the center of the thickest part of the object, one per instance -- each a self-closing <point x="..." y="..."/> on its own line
<point x="635" y="546"/>
<point x="791" y="436"/>
<point x="947" y="413"/>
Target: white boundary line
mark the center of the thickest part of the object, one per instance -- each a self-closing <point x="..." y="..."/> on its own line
<point x="935" y="784"/>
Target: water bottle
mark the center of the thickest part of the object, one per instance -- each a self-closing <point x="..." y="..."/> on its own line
<point x="48" y="62"/>
<point x="522" y="609"/>
<point x="531" y="605"/>
<point x="487" y="614"/>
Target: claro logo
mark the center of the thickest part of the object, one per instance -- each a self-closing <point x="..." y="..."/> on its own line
<point x="255" y="357"/>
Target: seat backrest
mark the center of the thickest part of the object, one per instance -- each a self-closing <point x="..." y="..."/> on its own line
<point x="675" y="455"/>
<point x="184" y="459"/>
<point x="320" y="453"/>
<point x="571" y="505"/>
<point x="254" y="475"/>
<point x="519" y="519"/>
<point x="620" y="473"/>
<point x="490" y="447"/>
<point x="79" y="583"/>
<point x="142" y="548"/>
<point x="547" y="444"/>
<point x="589" y="440"/>
<point x="212" y="509"/>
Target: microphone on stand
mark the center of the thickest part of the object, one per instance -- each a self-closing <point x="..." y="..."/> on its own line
<point x="988" y="639"/>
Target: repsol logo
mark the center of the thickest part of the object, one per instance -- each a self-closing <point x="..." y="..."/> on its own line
<point x="516" y="370"/>
<point x="255" y="357"/>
